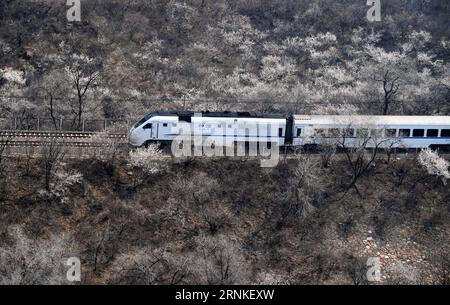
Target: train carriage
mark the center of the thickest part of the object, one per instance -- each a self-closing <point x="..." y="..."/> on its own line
<point x="395" y="131"/>
<point x="296" y="130"/>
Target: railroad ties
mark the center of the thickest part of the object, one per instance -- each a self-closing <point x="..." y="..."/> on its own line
<point x="20" y="141"/>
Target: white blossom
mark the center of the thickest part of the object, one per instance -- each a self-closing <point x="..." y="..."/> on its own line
<point x="62" y="179"/>
<point x="12" y="75"/>
<point x="434" y="164"/>
<point x="148" y="159"/>
<point x="276" y="68"/>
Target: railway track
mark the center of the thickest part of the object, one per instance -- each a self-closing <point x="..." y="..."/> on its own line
<point x="71" y="139"/>
<point x="47" y="143"/>
<point x="59" y="135"/>
<point x="75" y="144"/>
<point x="81" y="142"/>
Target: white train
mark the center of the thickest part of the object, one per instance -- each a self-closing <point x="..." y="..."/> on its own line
<point x="297" y="130"/>
<point x="381" y="131"/>
<point x="227" y="127"/>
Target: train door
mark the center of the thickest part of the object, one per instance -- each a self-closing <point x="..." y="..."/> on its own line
<point x="155" y="131"/>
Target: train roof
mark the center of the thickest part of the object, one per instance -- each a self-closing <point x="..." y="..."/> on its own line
<point x="372" y="120"/>
<point x="222" y="114"/>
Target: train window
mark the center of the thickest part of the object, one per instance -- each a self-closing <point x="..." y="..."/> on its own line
<point x="418" y="132"/>
<point x="390" y="133"/>
<point x="185" y="118"/>
<point x="148" y="126"/>
<point x="362" y="133"/>
<point x="320" y="132"/>
<point x="219" y="125"/>
<point x="334" y="132"/>
<point x="349" y="132"/>
<point x="229" y="125"/>
<point x="376" y="133"/>
<point x="165" y="125"/>
<point x="142" y="121"/>
<point x="299" y="132"/>
<point x="280" y="132"/>
<point x="445" y="133"/>
<point x="174" y="124"/>
<point x="404" y="133"/>
<point x="432" y="133"/>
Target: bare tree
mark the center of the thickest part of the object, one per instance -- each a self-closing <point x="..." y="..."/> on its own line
<point x="356" y="269"/>
<point x="57" y="177"/>
<point x="361" y="153"/>
<point x="84" y="74"/>
<point x="34" y="260"/>
<point x="4" y="172"/>
<point x="51" y="155"/>
<point x="327" y="151"/>
<point x="29" y="156"/>
<point x="2" y="79"/>
<point x="219" y="261"/>
<point x="4" y="142"/>
<point x="304" y="189"/>
<point x="105" y="148"/>
<point x="54" y="86"/>
<point x="442" y="262"/>
<point x="146" y="266"/>
<point x="402" y="169"/>
<point x="390" y="88"/>
<point x="199" y="195"/>
<point x="390" y="149"/>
